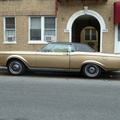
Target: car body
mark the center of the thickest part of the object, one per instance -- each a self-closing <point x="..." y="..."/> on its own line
<point x="61" y="56"/>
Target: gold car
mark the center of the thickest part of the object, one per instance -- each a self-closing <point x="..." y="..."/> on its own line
<point x="59" y="56"/>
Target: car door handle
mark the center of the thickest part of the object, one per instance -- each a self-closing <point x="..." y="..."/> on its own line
<point x="65" y="53"/>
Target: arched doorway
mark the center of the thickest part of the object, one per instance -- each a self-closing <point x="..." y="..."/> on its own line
<point x="86" y="29"/>
<point x="89" y="15"/>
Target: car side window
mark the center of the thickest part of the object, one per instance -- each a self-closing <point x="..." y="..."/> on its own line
<point x="83" y="48"/>
<point x="56" y="48"/>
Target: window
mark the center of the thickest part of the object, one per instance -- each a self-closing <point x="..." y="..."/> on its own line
<point x="82" y="47"/>
<point x="56" y="48"/>
<point x="117" y="38"/>
<point x="49" y="29"/>
<point x="9" y="30"/>
<point x="90" y="34"/>
<point x="118" y="31"/>
<point x="42" y="29"/>
<point x="35" y="29"/>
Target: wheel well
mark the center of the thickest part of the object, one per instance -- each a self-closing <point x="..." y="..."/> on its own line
<point x="94" y="64"/>
<point x="17" y="60"/>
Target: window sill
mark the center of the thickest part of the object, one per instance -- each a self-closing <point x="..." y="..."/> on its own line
<point x="37" y="42"/>
<point x="6" y="42"/>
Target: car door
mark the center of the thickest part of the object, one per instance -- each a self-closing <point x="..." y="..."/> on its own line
<point x="54" y="56"/>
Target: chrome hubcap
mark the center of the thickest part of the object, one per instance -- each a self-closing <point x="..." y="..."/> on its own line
<point x="16" y="67"/>
<point x="92" y="70"/>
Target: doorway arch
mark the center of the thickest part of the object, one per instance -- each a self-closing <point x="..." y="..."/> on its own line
<point x="87" y="12"/>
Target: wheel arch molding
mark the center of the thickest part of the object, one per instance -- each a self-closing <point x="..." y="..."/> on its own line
<point x="95" y="63"/>
<point x="14" y="57"/>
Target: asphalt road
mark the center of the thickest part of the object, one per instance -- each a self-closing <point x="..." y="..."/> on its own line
<point x="58" y="96"/>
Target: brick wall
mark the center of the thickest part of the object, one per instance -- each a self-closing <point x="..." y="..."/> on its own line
<point x="21" y="10"/>
<point x="105" y="9"/>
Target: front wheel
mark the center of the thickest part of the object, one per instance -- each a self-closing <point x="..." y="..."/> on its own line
<point x="91" y="71"/>
<point x="16" y="67"/>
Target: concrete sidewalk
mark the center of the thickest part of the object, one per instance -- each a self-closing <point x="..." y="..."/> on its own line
<point x="3" y="68"/>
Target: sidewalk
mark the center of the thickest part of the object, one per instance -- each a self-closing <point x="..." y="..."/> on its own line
<point x="2" y="68"/>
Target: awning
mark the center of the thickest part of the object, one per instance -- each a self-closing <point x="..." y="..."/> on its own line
<point x="117" y="12"/>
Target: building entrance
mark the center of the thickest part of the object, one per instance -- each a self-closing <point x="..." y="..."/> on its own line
<point x="79" y="23"/>
<point x="86" y="29"/>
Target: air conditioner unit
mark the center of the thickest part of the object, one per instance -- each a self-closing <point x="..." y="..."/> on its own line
<point x="49" y="38"/>
<point x="10" y="38"/>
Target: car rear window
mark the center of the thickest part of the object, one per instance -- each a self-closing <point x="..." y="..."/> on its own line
<point x="83" y="48"/>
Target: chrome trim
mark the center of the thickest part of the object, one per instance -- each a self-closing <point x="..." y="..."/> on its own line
<point x="54" y="70"/>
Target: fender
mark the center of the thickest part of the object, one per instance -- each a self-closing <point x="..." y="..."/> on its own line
<point x="94" y="62"/>
<point x="18" y="57"/>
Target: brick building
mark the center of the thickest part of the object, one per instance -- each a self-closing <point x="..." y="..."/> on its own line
<point x="31" y="24"/>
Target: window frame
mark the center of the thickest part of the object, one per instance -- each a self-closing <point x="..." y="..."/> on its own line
<point x="90" y="36"/>
<point x="5" y="41"/>
<point x="42" y="41"/>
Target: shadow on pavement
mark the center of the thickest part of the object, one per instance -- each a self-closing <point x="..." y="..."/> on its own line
<point x="104" y="76"/>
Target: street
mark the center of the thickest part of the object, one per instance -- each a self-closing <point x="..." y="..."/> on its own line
<point x="59" y="96"/>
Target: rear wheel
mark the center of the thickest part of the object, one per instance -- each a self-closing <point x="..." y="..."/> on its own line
<point x="16" y="67"/>
<point x="91" y="70"/>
